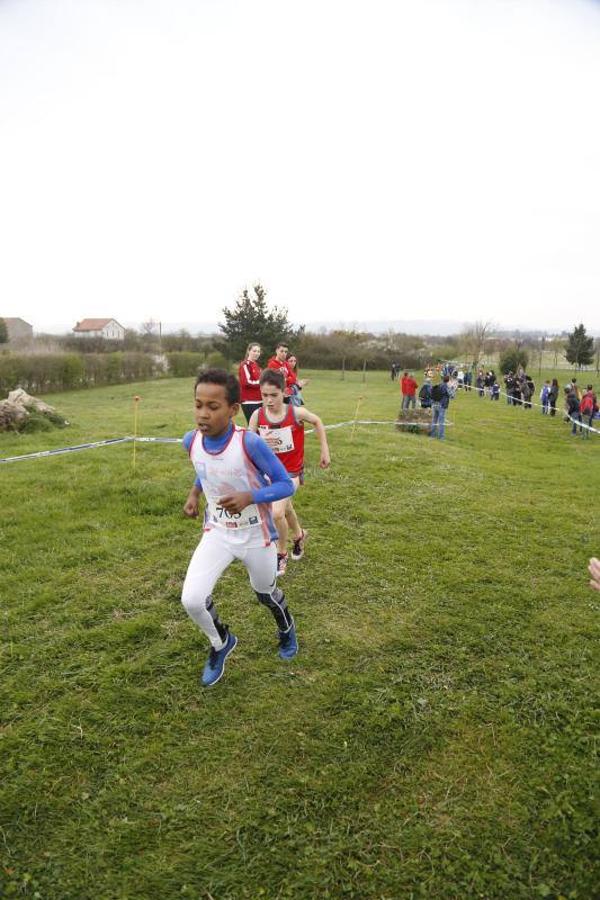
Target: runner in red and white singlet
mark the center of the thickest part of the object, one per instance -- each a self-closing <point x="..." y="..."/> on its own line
<point x="285" y="438"/>
<point x="282" y="427"/>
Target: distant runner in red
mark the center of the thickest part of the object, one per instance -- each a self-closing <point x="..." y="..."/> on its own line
<point x="249" y="375"/>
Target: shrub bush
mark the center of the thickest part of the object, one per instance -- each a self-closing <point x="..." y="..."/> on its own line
<point x="512" y="358"/>
<point x="41" y="373"/>
<point x="183" y="364"/>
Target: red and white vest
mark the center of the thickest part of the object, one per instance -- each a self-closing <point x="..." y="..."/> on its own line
<point x="289" y="438"/>
<point x="221" y="472"/>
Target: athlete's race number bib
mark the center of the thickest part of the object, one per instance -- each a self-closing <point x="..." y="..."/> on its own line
<point x="222" y="518"/>
<point x="280" y="440"/>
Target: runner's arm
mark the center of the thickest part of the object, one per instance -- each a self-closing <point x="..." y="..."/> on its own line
<point x="304" y="415"/>
<point x="191" y="506"/>
<point x="594" y="570"/>
<point x="253" y="423"/>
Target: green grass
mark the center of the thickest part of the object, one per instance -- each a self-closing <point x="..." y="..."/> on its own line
<point x="437" y="736"/>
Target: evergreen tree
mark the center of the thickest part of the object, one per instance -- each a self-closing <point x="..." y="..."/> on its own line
<point x="580" y="348"/>
<point x="252" y="320"/>
<point x="512" y="358"/>
<point x="3" y="332"/>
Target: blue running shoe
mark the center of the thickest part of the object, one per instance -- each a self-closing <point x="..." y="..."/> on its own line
<point x="215" y="664"/>
<point x="288" y="643"/>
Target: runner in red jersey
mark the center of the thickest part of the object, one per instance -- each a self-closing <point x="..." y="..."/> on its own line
<point x="282" y="427"/>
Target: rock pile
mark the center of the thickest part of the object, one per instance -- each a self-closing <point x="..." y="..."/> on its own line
<point x="22" y="412"/>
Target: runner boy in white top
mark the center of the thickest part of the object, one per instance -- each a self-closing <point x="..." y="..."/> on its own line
<point x="240" y="478"/>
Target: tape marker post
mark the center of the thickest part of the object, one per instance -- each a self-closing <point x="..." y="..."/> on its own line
<point x="136" y="404"/>
<point x="360" y="399"/>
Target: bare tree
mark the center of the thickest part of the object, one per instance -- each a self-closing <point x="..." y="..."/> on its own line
<point x="473" y="339"/>
<point x="150" y="327"/>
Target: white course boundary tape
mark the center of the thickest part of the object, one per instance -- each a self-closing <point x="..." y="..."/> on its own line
<point x="167" y="440"/>
<point x="60" y="450"/>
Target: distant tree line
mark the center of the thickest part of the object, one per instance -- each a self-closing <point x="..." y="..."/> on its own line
<point x="68" y="361"/>
<point x="42" y="373"/>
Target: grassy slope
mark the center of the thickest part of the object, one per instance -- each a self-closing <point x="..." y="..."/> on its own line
<point x="436" y="736"/>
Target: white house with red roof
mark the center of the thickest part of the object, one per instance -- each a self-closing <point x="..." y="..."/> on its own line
<point x="100" y="328"/>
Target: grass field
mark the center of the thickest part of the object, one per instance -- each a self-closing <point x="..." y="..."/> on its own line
<point x="437" y="736"/>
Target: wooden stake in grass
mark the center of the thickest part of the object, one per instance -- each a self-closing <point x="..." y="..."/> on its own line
<point x="136" y="406"/>
<point x="360" y="399"/>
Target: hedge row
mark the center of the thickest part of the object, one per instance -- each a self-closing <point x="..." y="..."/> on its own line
<point x="46" y="372"/>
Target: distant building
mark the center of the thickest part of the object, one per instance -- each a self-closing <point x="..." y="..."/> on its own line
<point x="19" y="331"/>
<point x="102" y="328"/>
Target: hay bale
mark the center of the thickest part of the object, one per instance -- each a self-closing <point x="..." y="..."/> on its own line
<point x="417" y="421"/>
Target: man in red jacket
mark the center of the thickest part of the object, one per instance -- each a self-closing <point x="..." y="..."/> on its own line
<point x="408" y="386"/>
<point x="280" y="364"/>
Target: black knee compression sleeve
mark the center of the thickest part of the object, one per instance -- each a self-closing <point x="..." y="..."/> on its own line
<point x="276" y="602"/>
<point x="221" y="629"/>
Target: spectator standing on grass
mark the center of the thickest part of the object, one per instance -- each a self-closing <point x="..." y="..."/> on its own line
<point x="527" y="389"/>
<point x="544" y="398"/>
<point x="425" y="394"/>
<point x="572" y="408"/>
<point x="279" y="363"/>
<point x="553" y="396"/>
<point x="440" y="396"/>
<point x="296" y="385"/>
<point x="249" y="376"/>
<point x="495" y="391"/>
<point x="588" y="407"/>
<point x="516" y="390"/>
<point x="480" y="384"/>
<point x="408" y="386"/>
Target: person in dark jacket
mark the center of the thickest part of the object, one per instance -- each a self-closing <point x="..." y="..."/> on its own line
<point x="440" y="396"/>
<point x="425" y="394"/>
<point x="553" y="396"/>
<point x="527" y="391"/>
<point x="572" y="409"/>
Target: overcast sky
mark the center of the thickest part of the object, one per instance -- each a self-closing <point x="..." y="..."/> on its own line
<point x="383" y="159"/>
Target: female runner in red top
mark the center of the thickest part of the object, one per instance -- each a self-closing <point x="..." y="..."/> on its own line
<point x="249" y="375"/>
<point x="282" y="427"/>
